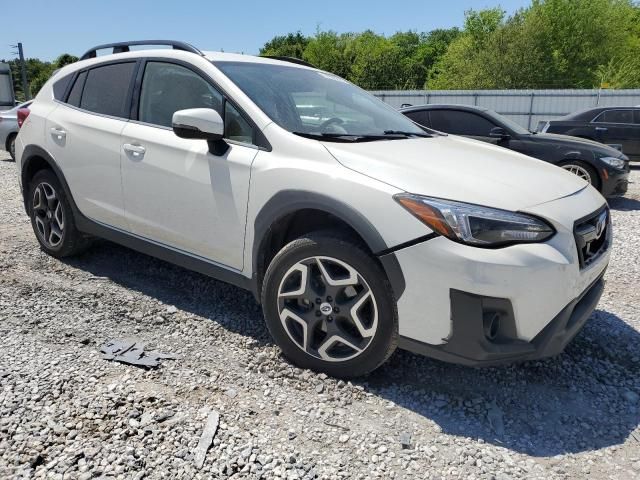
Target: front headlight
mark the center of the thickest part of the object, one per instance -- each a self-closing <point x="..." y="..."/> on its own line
<point x="614" y="162"/>
<point x="473" y="224"/>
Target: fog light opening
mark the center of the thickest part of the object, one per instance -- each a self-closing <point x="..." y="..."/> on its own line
<point x="491" y="325"/>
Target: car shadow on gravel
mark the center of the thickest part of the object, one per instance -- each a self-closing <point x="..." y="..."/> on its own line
<point x="568" y="404"/>
<point x="624" y="204"/>
<point x="233" y="308"/>
<point x="585" y="399"/>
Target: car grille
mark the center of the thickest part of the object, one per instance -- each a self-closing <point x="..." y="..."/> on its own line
<point x="593" y="234"/>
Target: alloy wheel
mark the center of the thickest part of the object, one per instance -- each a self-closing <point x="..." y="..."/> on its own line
<point x="578" y="170"/>
<point x="48" y="215"/>
<point x="327" y="308"/>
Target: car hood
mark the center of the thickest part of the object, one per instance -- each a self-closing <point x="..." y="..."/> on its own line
<point x="460" y="169"/>
<point x="576" y="142"/>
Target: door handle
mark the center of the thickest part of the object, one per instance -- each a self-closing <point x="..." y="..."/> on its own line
<point x="136" y="151"/>
<point x="602" y="129"/>
<point x="58" y="133"/>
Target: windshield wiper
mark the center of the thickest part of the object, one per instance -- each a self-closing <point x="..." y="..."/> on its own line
<point x="349" y="137"/>
<point x="407" y="134"/>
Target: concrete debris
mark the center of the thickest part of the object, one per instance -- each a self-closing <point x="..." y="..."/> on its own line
<point x="206" y="439"/>
<point x="132" y="352"/>
<point x="405" y="440"/>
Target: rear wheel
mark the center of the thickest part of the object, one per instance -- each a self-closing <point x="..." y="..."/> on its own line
<point x="584" y="171"/>
<point x="11" y="145"/>
<point x="329" y="306"/>
<point x="52" y="218"/>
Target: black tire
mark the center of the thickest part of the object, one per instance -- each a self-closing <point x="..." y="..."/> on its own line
<point x="381" y="344"/>
<point x="70" y="241"/>
<point x="593" y="174"/>
<point x="11" y="145"/>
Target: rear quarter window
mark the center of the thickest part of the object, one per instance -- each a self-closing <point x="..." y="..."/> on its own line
<point x="60" y="87"/>
<point x="76" y="91"/>
<point x="106" y="89"/>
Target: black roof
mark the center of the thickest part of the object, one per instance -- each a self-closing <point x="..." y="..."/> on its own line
<point x="589" y="114"/>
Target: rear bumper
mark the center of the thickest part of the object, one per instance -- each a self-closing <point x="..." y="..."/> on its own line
<point x="483" y="332"/>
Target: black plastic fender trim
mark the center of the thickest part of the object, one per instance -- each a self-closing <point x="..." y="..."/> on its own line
<point x="290" y="201"/>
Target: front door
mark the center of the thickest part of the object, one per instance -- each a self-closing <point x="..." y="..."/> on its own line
<point x="177" y="193"/>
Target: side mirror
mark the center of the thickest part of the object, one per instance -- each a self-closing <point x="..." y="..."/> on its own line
<point x="202" y="123"/>
<point x="500" y="133"/>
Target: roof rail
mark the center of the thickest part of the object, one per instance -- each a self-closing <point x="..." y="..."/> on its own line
<point x="121" y="47"/>
<point x="290" y="60"/>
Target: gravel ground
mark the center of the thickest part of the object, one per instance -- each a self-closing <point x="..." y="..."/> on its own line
<point x="67" y="413"/>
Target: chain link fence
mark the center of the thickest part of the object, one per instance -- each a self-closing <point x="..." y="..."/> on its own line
<point x="527" y="107"/>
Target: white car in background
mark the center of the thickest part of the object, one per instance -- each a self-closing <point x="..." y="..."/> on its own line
<point x="9" y="128"/>
<point x="357" y="233"/>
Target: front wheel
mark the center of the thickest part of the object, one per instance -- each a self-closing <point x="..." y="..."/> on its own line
<point x="330" y="307"/>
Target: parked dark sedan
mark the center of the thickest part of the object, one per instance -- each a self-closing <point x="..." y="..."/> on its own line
<point x="616" y="126"/>
<point x="606" y="168"/>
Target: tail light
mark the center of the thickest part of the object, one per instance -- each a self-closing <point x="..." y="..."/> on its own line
<point x="23" y="113"/>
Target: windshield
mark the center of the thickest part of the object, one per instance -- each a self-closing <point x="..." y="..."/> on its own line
<point x="510" y="124"/>
<point x="312" y="102"/>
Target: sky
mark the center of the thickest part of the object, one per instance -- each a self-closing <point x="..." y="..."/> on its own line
<point x="48" y="28"/>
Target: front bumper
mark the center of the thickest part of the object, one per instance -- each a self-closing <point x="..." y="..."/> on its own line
<point x="616" y="183"/>
<point x="541" y="293"/>
<point x="472" y="316"/>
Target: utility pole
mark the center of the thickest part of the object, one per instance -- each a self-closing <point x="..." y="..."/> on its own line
<point x="23" y="70"/>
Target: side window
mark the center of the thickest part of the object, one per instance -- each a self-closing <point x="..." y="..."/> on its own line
<point x="615" y="116"/>
<point x="236" y="127"/>
<point x="106" y="89"/>
<point x="420" y="117"/>
<point x="460" y="123"/>
<point x="76" y="90"/>
<point x="167" y="88"/>
<point x="60" y="87"/>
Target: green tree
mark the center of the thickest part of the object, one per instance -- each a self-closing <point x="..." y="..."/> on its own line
<point x="331" y="52"/>
<point x="38" y="72"/>
<point x="553" y="43"/>
<point x="290" y="45"/>
<point x="402" y="60"/>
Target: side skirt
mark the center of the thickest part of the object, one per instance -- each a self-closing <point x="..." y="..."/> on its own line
<point x="162" y="252"/>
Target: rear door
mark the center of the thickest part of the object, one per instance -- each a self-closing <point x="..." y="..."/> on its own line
<point x="83" y="136"/>
<point x="176" y="192"/>
<point x="617" y="127"/>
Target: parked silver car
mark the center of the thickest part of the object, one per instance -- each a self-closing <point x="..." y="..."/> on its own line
<point x="9" y="128"/>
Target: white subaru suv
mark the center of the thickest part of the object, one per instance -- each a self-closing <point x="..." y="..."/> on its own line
<point x="357" y="230"/>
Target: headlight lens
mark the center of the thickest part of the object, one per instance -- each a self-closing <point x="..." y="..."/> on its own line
<point x="614" y="162"/>
<point x="473" y="224"/>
